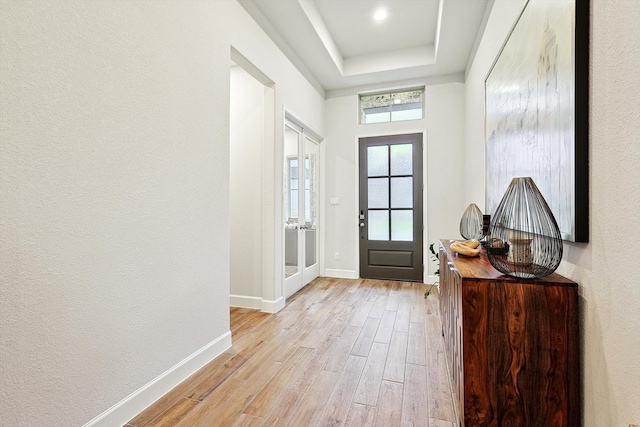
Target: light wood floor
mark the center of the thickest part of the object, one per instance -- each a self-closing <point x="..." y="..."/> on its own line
<point x="341" y="353"/>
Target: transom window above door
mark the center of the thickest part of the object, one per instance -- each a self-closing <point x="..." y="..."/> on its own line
<point x="392" y="106"/>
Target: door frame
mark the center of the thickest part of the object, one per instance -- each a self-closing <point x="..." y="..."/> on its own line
<point x="356" y="191"/>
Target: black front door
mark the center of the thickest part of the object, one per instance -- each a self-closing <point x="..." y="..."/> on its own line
<point x="391" y="207"/>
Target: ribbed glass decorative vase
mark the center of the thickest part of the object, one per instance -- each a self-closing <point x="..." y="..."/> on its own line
<point x="524" y="239"/>
<point x="471" y="223"/>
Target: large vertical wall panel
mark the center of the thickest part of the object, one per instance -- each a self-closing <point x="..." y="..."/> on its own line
<point x="114" y="190"/>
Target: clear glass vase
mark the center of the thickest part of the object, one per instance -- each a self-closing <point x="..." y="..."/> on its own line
<point x="471" y="223"/>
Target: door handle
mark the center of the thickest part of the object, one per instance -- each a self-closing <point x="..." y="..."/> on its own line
<point x="361" y="224"/>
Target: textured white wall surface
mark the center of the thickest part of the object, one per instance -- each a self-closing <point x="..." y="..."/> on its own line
<point x="607" y="268"/>
<point x="443" y="170"/>
<point x="114" y="194"/>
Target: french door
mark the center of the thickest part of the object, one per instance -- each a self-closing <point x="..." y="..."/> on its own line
<point x="390" y="211"/>
<point x="301" y="180"/>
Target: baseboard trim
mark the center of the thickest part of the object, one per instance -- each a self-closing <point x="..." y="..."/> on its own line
<point x="257" y="303"/>
<point x="431" y="279"/>
<point x="350" y="274"/>
<point x="340" y="274"/>
<point x="139" y="400"/>
<point x="273" y="306"/>
<point x="245" y="301"/>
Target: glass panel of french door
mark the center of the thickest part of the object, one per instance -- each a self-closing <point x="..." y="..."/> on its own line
<point x="311" y="183"/>
<point x="391" y="207"/>
<point x="291" y="201"/>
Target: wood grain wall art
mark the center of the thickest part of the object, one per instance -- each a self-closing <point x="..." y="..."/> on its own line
<point x="536" y="111"/>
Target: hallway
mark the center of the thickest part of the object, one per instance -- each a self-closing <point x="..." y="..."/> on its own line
<point x="342" y="353"/>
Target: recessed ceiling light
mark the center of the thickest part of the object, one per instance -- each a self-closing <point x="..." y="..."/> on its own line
<point x="380" y="15"/>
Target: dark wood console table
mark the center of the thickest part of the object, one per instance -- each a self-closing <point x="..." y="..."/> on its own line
<point x="512" y="344"/>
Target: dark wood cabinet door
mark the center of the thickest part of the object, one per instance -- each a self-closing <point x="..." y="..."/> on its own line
<point x="512" y="344"/>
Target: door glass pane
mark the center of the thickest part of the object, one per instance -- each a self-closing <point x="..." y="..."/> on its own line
<point x="311" y="202"/>
<point x="376" y="117"/>
<point x="402" y="192"/>
<point x="413" y="114"/>
<point x="291" y="201"/>
<point x="402" y="159"/>
<point x="293" y="188"/>
<point x="378" y="160"/>
<point x="402" y="226"/>
<point x="378" y="225"/>
<point x="378" y="192"/>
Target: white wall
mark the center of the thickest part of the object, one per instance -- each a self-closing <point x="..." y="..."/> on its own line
<point x="246" y="157"/>
<point x="446" y="158"/>
<point x="443" y="172"/>
<point x="606" y="268"/>
<point x="114" y="189"/>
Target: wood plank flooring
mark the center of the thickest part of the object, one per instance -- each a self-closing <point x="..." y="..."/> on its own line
<point x="341" y="353"/>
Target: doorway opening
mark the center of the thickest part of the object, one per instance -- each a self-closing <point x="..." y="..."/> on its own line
<point x="251" y="140"/>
